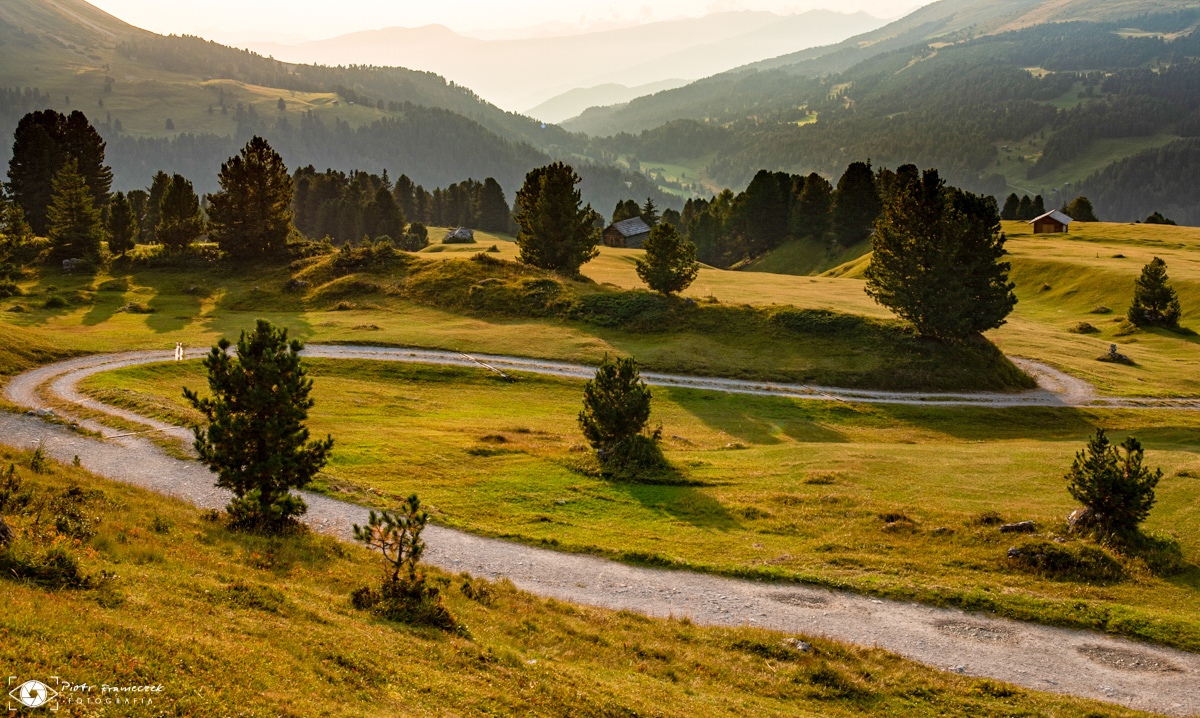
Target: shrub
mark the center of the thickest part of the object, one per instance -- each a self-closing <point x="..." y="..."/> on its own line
<point x="55" y="302"/>
<point x="9" y="289"/>
<point x="1083" y="328"/>
<point x="1085" y="563"/>
<point x="818" y="321"/>
<point x="1112" y="482"/>
<point x="406" y="594"/>
<point x="416" y="239"/>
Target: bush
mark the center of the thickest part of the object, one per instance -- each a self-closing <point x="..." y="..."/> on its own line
<point x="818" y="321"/>
<point x="8" y="289"/>
<point x="1085" y="563"/>
<point x="416" y="239"/>
<point x="1083" y="328"/>
<point x="1112" y="482"/>
<point x="55" y="302"/>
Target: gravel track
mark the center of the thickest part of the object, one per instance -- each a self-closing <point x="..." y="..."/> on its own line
<point x="1080" y="663"/>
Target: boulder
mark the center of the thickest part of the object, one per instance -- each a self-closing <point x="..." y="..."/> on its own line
<point x="1020" y="527"/>
<point x="1081" y="520"/>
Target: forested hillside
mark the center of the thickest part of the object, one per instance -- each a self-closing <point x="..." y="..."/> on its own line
<point x="183" y="104"/>
<point x="1036" y="110"/>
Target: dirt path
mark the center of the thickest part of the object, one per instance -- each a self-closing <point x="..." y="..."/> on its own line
<point x="1038" y="657"/>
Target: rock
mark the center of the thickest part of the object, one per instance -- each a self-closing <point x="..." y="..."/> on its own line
<point x="46" y="413"/>
<point x="69" y="265"/>
<point x="943" y="530"/>
<point x="1081" y="520"/>
<point x="6" y="533"/>
<point x="1014" y="552"/>
<point x="1021" y="527"/>
<point x="690" y="302"/>
<point x="797" y="644"/>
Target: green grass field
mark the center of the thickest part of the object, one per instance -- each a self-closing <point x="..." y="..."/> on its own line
<point x="231" y="624"/>
<point x="783" y="488"/>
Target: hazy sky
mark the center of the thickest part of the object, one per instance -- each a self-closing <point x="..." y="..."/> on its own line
<point x="316" y="19"/>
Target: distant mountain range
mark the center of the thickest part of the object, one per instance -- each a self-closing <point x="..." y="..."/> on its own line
<point x="523" y="73"/>
<point x="182" y="104"/>
<point x="572" y="102"/>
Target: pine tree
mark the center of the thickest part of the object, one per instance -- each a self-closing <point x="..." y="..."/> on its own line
<point x="556" y="231"/>
<point x="75" y="230"/>
<point x="1038" y="208"/>
<point x="857" y="204"/>
<point x="382" y="216"/>
<point x="1112" y="482"/>
<point x="158" y="185"/>
<point x="626" y="209"/>
<point x="256" y="439"/>
<point x="936" y="260"/>
<point x="811" y="212"/>
<point x="1155" y="302"/>
<point x="122" y="225"/>
<point x="252" y="214"/>
<point x="649" y="213"/>
<point x="180" y="222"/>
<point x="43" y="142"/>
<point x="494" y="214"/>
<point x="1080" y="209"/>
<point x="762" y="212"/>
<point x="670" y="265"/>
<point x="1025" y="209"/>
<point x="1012" y="208"/>
<point x="616" y="410"/>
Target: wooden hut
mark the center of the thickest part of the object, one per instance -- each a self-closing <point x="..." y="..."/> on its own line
<point x="628" y="233"/>
<point x="1053" y="222"/>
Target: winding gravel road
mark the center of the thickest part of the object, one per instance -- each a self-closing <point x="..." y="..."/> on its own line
<point x="1078" y="663"/>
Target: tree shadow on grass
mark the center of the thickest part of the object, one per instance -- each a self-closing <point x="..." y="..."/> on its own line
<point x="753" y="420"/>
<point x="683" y="503"/>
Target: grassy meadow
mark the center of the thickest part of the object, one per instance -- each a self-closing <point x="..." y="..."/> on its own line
<point x="230" y="623"/>
<point x="887" y="500"/>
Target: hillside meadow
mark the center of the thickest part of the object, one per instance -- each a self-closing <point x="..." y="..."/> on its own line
<point x="229" y="623"/>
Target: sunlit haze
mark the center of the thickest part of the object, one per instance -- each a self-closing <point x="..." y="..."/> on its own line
<point x="298" y="20"/>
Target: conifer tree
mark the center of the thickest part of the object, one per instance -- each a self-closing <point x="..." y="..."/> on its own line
<point x="1012" y="207"/>
<point x="857" y="203"/>
<point x="252" y="214"/>
<point x="627" y="209"/>
<point x="180" y="222"/>
<point x="1038" y="208"/>
<point x="383" y="216"/>
<point x="649" y="213"/>
<point x="75" y="230"/>
<point x="43" y="142"/>
<point x="1112" y="482"/>
<point x="936" y="260"/>
<point x="616" y="406"/>
<point x="154" y="195"/>
<point x="256" y="440"/>
<point x="670" y="265"/>
<point x="1155" y="301"/>
<point x="811" y="213"/>
<point x="494" y="213"/>
<point x="557" y="231"/>
<point x="1025" y="209"/>
<point x="1080" y="209"/>
<point x="122" y="225"/>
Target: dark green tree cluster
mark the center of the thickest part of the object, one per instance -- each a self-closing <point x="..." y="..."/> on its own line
<point x="348" y="207"/>
<point x="256" y="440"/>
<point x="1022" y="208"/>
<point x="1113" y="484"/>
<point x="43" y="143"/>
<point x="937" y="258"/>
<point x="1155" y="301"/>
<point x="122" y="224"/>
<point x="556" y="230"/>
<point x="1158" y="218"/>
<point x="180" y="221"/>
<point x="777" y="207"/>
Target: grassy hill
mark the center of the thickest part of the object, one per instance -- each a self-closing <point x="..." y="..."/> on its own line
<point x="222" y="619"/>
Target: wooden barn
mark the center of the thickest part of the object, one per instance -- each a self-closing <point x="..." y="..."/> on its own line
<point x="628" y="233"/>
<point x="1053" y="222"/>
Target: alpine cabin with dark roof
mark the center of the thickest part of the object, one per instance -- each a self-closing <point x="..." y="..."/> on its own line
<point x="628" y="233"/>
<point x="1053" y="222"/>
